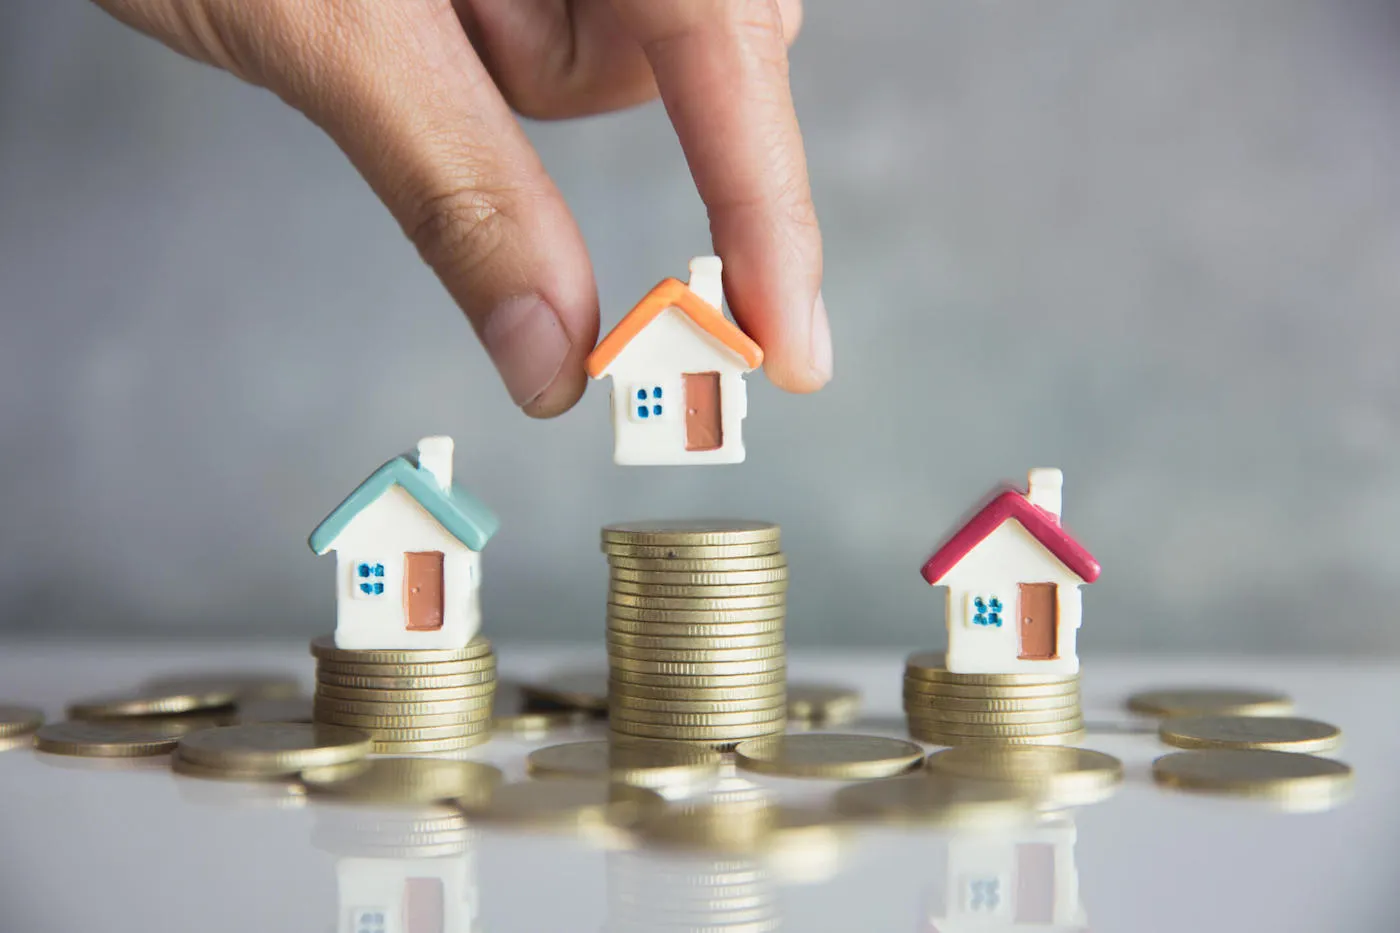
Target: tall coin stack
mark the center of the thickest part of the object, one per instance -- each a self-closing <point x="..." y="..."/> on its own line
<point x="695" y="630"/>
<point x="410" y="701"/>
<point x="989" y="709"/>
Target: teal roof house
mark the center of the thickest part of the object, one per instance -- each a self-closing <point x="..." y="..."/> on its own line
<point x="408" y="545"/>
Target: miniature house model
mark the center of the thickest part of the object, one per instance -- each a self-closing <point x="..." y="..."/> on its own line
<point x="408" y="555"/>
<point x="1013" y="577"/>
<point x="677" y="365"/>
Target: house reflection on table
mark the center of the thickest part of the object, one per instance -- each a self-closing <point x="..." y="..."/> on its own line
<point x="400" y="871"/>
<point x="1014" y="878"/>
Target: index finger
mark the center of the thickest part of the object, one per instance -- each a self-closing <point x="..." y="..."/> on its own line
<point x="722" y="69"/>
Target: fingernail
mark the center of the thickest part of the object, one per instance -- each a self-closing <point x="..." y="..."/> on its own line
<point x="528" y="344"/>
<point x="822" y="363"/>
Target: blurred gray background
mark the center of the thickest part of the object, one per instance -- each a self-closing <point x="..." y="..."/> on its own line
<point x="1157" y="245"/>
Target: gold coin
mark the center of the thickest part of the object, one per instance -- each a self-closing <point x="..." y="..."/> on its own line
<point x="935" y="737"/>
<point x="183" y="766"/>
<point x="688" y="656"/>
<point x="691" y="532"/>
<point x="105" y="739"/>
<point x="1052" y="776"/>
<point x="539" y="723"/>
<point x="431" y="746"/>
<point x="686" y="552"/>
<point x="707" y="616"/>
<point x="585" y="690"/>
<point x="920" y="702"/>
<point x="691" y="591"/>
<point x="274" y="746"/>
<point x="454" y="730"/>
<point x="1280" y="733"/>
<point x="635" y="761"/>
<point x="1204" y="701"/>
<point x="403" y="781"/>
<point x="424" y="695"/>
<point x="700" y="630"/>
<point x="148" y="703"/>
<point x="822" y="703"/>
<point x="624" y="705"/>
<point x="1288" y="777"/>
<point x="459" y="706"/>
<point x="926" y="799"/>
<point x="323" y="648"/>
<point x="565" y="803"/>
<point x="19" y="720"/>
<point x="929" y="665"/>
<point x="998" y="729"/>
<point x="621" y="678"/>
<point x="479" y="717"/>
<point x="674" y="643"/>
<point x="760" y="665"/>
<point x="244" y="685"/>
<point x="829" y="755"/>
<point x="698" y="565"/>
<point x="699" y="578"/>
<point x="719" y="689"/>
<point x="485" y="666"/>
<point x="285" y="710"/>
<point x="701" y="719"/>
<point x="649" y="730"/>
<point x="715" y="603"/>
<point x="475" y="679"/>
<point x="955" y="719"/>
<point x="930" y="689"/>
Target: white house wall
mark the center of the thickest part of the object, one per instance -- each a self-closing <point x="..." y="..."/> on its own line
<point x="996" y="567"/>
<point x="670" y="346"/>
<point x="383" y="532"/>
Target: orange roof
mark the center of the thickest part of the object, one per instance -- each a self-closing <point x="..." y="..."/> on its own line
<point x="672" y="293"/>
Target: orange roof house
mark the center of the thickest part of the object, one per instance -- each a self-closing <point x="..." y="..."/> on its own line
<point x="677" y="365"/>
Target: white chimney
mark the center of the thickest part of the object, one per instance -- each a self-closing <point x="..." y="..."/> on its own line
<point x="706" y="280"/>
<point x="1044" y="491"/>
<point x="435" y="456"/>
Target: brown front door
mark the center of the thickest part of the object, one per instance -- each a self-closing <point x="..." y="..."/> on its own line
<point x="424" y="910"/>
<point x="422" y="590"/>
<point x="704" y="428"/>
<point x="1040" y="622"/>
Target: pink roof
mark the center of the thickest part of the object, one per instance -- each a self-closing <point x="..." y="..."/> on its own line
<point x="1043" y="526"/>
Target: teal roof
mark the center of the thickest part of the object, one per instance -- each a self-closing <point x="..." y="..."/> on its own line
<point x="464" y="516"/>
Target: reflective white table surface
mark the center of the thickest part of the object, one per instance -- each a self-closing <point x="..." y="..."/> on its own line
<point x="87" y="847"/>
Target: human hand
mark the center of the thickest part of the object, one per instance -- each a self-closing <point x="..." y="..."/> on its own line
<point x="419" y="94"/>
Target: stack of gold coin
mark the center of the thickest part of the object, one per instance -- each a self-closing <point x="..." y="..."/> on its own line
<point x="671" y="892"/>
<point x="410" y="701"/>
<point x="989" y="709"/>
<point x="695" y="630"/>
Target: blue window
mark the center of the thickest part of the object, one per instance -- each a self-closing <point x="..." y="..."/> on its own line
<point x="369" y="578"/>
<point x="647" y="403"/>
<point x="986" y="610"/>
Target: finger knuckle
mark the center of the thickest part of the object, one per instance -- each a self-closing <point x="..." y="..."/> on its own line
<point x="461" y="228"/>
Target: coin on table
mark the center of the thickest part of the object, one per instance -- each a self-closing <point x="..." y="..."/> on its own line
<point x="829" y="755"/>
<point x="927" y="799"/>
<point x="275" y="746"/>
<point x="1052" y="776"/>
<point x="692" y="531"/>
<point x="585" y="690"/>
<point x="150" y="703"/>
<point x="186" y="768"/>
<point x="105" y="739"/>
<point x="1286" y="777"/>
<point x="696" y="578"/>
<point x="403" y="781"/>
<point x="244" y="685"/>
<point x="822" y="704"/>
<point x="290" y="709"/>
<point x="539" y="723"/>
<point x="324" y="648"/>
<point x="929" y="665"/>
<point x="1209" y="701"/>
<point x="1280" y="733"/>
<point x="636" y="761"/>
<point x="565" y="803"/>
<point x="19" y="720"/>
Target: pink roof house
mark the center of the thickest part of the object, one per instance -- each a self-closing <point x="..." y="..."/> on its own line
<point x="1013" y="576"/>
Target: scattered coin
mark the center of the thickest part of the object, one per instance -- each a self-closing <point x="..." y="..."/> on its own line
<point x="150" y="703"/>
<point x="539" y="723"/>
<point x="584" y="690"/>
<point x="1206" y="701"/>
<point x="1280" y="733"/>
<point x="186" y="768"/>
<point x="404" y="781"/>
<point x="104" y="739"/>
<point x="1053" y="777"/>
<point x="640" y="762"/>
<point x="1286" y="777"/>
<point x="926" y="799"/>
<point x="274" y="746"/>
<point x="829" y="755"/>
<point x="822" y="704"/>
<point x="244" y="685"/>
<point x="692" y="532"/>
<point x="324" y="648"/>
<point x="565" y="803"/>
<point x="19" y="720"/>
